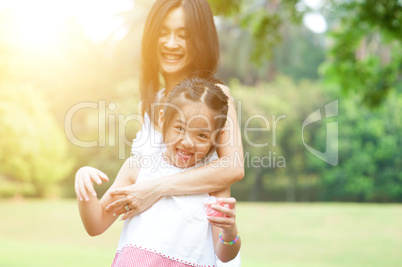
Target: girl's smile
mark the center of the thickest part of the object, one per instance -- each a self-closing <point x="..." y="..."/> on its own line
<point x="189" y="137"/>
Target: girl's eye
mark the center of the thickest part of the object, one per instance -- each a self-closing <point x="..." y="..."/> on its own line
<point x="203" y="136"/>
<point x="179" y="128"/>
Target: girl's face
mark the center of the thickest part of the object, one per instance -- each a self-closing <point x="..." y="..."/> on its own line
<point x="189" y="136"/>
<point x="173" y="55"/>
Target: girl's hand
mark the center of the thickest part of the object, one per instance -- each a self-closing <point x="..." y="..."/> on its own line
<point x="227" y="222"/>
<point x="84" y="179"/>
<point x="138" y="197"/>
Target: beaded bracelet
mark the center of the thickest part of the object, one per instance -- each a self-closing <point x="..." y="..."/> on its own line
<point x="229" y="242"/>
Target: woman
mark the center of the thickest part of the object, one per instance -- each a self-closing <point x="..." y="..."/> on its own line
<point x="179" y="41"/>
<point x="180" y="44"/>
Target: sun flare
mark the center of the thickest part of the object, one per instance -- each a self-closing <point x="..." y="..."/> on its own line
<point x="39" y="23"/>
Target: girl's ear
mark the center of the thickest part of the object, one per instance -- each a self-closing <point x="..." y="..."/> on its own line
<point x="161" y="119"/>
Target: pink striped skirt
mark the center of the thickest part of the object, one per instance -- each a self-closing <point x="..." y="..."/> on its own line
<point x="132" y="255"/>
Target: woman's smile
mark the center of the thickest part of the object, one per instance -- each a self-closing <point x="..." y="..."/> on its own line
<point x="172" y="57"/>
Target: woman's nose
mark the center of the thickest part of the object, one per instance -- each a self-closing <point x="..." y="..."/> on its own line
<point x="171" y="42"/>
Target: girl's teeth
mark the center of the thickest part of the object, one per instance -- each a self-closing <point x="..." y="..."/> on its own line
<point x="185" y="153"/>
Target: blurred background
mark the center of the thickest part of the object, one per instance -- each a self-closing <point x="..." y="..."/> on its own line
<point x="69" y="97"/>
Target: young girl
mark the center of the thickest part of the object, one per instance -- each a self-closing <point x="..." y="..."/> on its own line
<point x="175" y="231"/>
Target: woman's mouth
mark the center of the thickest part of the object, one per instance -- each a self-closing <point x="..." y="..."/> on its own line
<point x="172" y="57"/>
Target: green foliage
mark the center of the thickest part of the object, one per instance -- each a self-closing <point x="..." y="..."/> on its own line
<point x="33" y="150"/>
<point x="365" y="56"/>
<point x="277" y="111"/>
<point x="370" y="157"/>
<point x="262" y="19"/>
<point x="370" y="160"/>
<point x="225" y="7"/>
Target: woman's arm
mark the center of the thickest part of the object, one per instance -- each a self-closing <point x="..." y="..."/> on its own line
<point x="94" y="215"/>
<point x="214" y="176"/>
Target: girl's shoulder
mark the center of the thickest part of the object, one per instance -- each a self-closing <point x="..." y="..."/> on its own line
<point x="224" y="87"/>
<point x="226" y="90"/>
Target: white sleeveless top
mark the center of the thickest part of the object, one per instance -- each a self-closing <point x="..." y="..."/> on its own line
<point x="172" y="232"/>
<point x="148" y="142"/>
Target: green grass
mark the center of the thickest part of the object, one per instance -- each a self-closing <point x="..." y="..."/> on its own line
<point x="49" y="233"/>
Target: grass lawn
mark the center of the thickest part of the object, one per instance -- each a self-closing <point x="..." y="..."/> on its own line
<point x="49" y="233"/>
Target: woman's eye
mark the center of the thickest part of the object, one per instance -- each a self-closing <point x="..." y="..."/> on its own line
<point x="179" y="128"/>
<point x="182" y="35"/>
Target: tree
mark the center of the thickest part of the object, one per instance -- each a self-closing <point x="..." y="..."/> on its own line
<point x="365" y="56"/>
<point x="370" y="157"/>
<point x="271" y="118"/>
<point x="33" y="150"/>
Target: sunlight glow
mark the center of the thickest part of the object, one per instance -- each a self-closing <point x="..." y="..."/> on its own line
<point x="315" y="22"/>
<point x="38" y="23"/>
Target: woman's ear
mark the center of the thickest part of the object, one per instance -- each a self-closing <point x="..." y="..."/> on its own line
<point x="161" y="119"/>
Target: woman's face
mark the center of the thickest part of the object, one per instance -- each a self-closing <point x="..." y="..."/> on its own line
<point x="174" y="59"/>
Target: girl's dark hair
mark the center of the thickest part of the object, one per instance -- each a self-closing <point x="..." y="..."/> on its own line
<point x="197" y="90"/>
<point x="202" y="44"/>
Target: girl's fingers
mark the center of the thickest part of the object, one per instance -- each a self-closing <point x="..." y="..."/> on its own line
<point x="82" y="189"/>
<point x="230" y="201"/>
<point x="89" y="186"/>
<point x="225" y="210"/>
<point x="103" y="176"/>
<point x="77" y="191"/>
<point x="221" y="220"/>
<point x="223" y="224"/>
<point x="95" y="177"/>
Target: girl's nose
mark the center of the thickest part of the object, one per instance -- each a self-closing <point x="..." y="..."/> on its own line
<point x="187" y="142"/>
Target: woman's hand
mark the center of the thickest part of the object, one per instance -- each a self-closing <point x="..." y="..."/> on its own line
<point x="84" y="179"/>
<point x="227" y="222"/>
<point x="138" y="197"/>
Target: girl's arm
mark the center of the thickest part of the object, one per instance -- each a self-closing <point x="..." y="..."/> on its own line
<point x="215" y="176"/>
<point x="94" y="215"/>
<point x="225" y="226"/>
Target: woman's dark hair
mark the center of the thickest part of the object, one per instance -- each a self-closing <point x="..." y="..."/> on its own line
<point x="202" y="43"/>
<point x="197" y="90"/>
